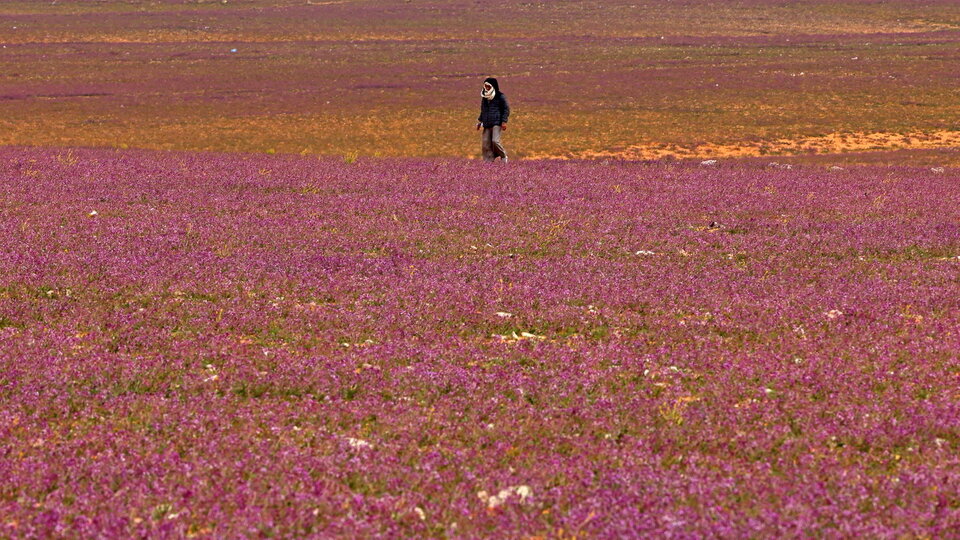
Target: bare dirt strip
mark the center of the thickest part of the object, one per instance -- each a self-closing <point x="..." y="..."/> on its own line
<point x="833" y="143"/>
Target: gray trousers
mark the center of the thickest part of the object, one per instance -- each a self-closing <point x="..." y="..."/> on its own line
<point x="491" y="145"/>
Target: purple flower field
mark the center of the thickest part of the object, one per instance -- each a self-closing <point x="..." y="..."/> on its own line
<point x="217" y="345"/>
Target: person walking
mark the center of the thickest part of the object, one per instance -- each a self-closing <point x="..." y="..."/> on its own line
<point x="494" y="112"/>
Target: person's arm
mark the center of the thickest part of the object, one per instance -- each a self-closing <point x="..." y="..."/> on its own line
<point x="506" y="111"/>
<point x="480" y="116"/>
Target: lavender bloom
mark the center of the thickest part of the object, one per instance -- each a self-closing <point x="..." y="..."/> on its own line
<point x="251" y="345"/>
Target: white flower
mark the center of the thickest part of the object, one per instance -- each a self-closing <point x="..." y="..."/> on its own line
<point x="522" y="492"/>
<point x="514" y="337"/>
<point x="92" y="213"/>
<point x="420" y="513"/>
<point x="645" y="252"/>
<point x="504" y="314"/>
<point x="833" y="313"/>
<point x="708" y="162"/>
<point x="938" y="170"/>
<point x="358" y="443"/>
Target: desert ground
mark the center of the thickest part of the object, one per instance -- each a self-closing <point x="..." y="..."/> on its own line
<point x="256" y="283"/>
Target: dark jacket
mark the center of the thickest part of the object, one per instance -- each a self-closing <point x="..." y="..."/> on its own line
<point x="496" y="111"/>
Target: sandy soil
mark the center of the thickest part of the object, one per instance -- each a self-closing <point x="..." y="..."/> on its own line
<point x="833" y="143"/>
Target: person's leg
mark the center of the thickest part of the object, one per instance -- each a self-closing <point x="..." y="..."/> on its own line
<point x="498" y="149"/>
<point x="486" y="144"/>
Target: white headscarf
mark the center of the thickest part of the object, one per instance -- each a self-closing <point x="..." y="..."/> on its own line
<point x="488" y="94"/>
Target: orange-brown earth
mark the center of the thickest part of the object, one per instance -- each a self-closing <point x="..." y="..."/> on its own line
<point x="621" y="79"/>
<point x="833" y="143"/>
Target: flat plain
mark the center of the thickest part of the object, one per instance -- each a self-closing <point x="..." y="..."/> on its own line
<point x="251" y="287"/>
<point x="624" y="78"/>
<point x="251" y="345"/>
